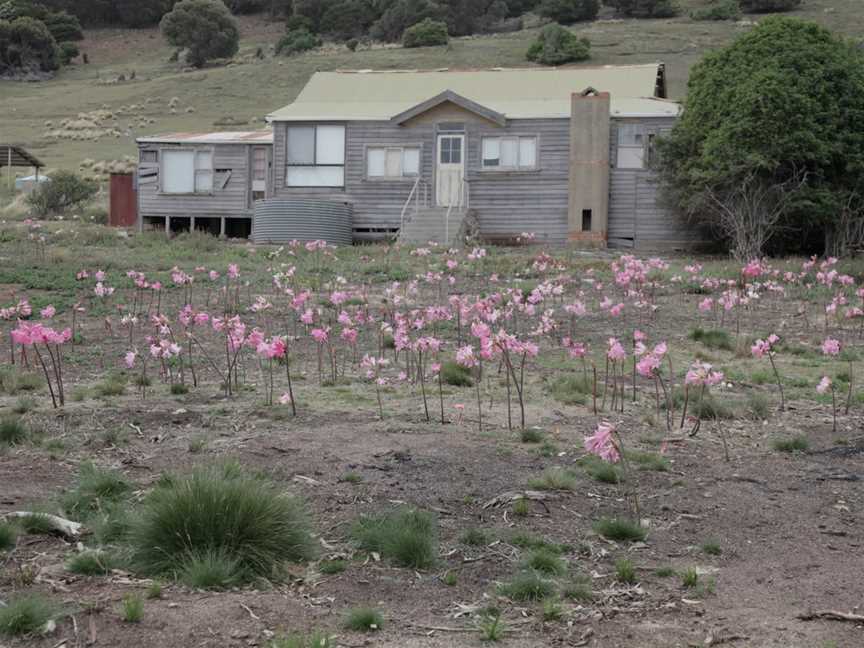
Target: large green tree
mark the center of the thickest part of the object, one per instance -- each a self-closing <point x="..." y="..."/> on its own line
<point x="773" y="125"/>
<point x="204" y="27"/>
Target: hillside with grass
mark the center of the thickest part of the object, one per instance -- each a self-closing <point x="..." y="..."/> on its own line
<point x="129" y="88"/>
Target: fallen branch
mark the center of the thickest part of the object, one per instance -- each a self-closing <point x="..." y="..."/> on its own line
<point x="63" y="526"/>
<point x="832" y="615"/>
<point x="512" y="496"/>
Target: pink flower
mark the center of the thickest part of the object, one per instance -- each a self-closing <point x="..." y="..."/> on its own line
<point x="320" y="335"/>
<point x="233" y="271"/>
<point x="760" y="348"/>
<point x="349" y="335"/>
<point x="648" y="366"/>
<point x="831" y="347"/>
<point x="99" y="276"/>
<point x="129" y="359"/>
<point x="285" y="399"/>
<point x="616" y="352"/>
<point x="48" y="312"/>
<point x="465" y="356"/>
<point x="602" y="444"/>
<point x="308" y="316"/>
<point x="214" y="276"/>
<point x="824" y="385"/>
<point x="615" y="311"/>
<point x="706" y="305"/>
<point x="639" y="336"/>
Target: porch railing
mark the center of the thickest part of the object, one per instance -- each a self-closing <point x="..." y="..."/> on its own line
<point x="461" y="202"/>
<point x="419" y="195"/>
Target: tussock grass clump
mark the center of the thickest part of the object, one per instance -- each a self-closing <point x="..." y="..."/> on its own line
<point x="579" y="589"/>
<point x="313" y="640"/>
<point x="798" y="443"/>
<point x="476" y="537"/>
<point x="554" y="478"/>
<point x="664" y="572"/>
<point x="220" y="512"/>
<point x="619" y="529"/>
<point x="36" y="524"/>
<point x="758" y="407"/>
<point x="452" y="373"/>
<point x="521" y="507"/>
<point x="26" y="614"/>
<point x="491" y="626"/>
<point x="570" y="390"/>
<point x="625" y="572"/>
<point x="545" y="561"/>
<point x="689" y="578"/>
<point x="531" y="435"/>
<point x="364" y="619"/>
<point x="90" y="563"/>
<point x="648" y="460"/>
<point x="602" y="471"/>
<point x="713" y="338"/>
<point x="13" y="382"/>
<point x="179" y="389"/>
<point x="96" y="487"/>
<point x="132" y="608"/>
<point x="407" y="536"/>
<point x="111" y="386"/>
<point x="13" y="431"/>
<point x="8" y="536"/>
<point x="527" y="586"/>
<point x="712" y="548"/>
<point x="24" y="404"/>
<point x="527" y="540"/>
<point x="332" y="566"/>
<point x="211" y="569"/>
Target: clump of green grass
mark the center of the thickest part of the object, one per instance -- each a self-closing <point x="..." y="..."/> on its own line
<point x="527" y="586"/>
<point x="351" y="478"/>
<point x="179" y="389"/>
<point x="547" y="449"/>
<point x="25" y="615"/>
<point x="761" y="377"/>
<point x="332" y="566"/>
<point x="554" y="478"/>
<point x="406" y="536"/>
<point x="13" y="382"/>
<point x="527" y="540"/>
<point x="96" y="487"/>
<point x="450" y="578"/>
<point x="36" y="524"/>
<point x="552" y="610"/>
<point x="8" y="536"/>
<point x="758" y="407"/>
<point x="689" y="578"/>
<point x="664" y="572"/>
<point x="475" y="537"/>
<point x="111" y="386"/>
<point x="221" y="512"/>
<point x="12" y="431"/>
<point x="619" y="529"/>
<point x="625" y="572"/>
<point x="114" y="437"/>
<point x="713" y="338"/>
<point x="798" y="443"/>
<point x="648" y="460"/>
<point x="545" y="561"/>
<point x="531" y="435"/>
<point x="570" y="390"/>
<point x="452" y="373"/>
<point x="24" y="404"/>
<point x="90" y="563"/>
<point x="154" y="590"/>
<point x="706" y="408"/>
<point x="197" y="445"/>
<point x="211" y="570"/>
<point x="364" y="619"/>
<point x="302" y="640"/>
<point x="491" y="626"/>
<point x="521" y="507"/>
<point x="579" y="589"/>
<point x="712" y="548"/>
<point x="132" y="608"/>
<point x="602" y="471"/>
<point x="111" y="523"/>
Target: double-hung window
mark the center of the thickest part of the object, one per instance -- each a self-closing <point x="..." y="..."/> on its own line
<point x="392" y="162"/>
<point x="510" y="153"/>
<point x="631" y="146"/>
<point x="316" y="156"/>
<point x="187" y="172"/>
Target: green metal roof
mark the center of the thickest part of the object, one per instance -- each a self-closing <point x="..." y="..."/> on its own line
<point x="636" y="91"/>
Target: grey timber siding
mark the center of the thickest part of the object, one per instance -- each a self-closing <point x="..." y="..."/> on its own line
<point x="506" y="203"/>
<point x="230" y="201"/>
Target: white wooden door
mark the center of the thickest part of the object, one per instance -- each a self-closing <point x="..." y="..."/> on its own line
<point x="450" y="169"/>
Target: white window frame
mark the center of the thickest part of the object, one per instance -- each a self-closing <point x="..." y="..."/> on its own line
<point x="517" y="138"/>
<point x="393" y="147"/>
<point x="624" y="152"/>
<point x="315" y="164"/>
<point x="196" y="171"/>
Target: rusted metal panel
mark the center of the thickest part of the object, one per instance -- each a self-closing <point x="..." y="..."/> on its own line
<point x="124" y="201"/>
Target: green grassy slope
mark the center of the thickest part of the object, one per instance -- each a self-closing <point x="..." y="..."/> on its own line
<point x="246" y="92"/>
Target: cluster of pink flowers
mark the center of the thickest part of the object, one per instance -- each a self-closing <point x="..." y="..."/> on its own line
<point x="702" y="374"/>
<point x="602" y="443"/>
<point x="765" y="347"/>
<point x="21" y="310"/>
<point x="28" y="334"/>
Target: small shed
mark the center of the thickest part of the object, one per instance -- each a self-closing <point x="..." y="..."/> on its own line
<point x="16" y="156"/>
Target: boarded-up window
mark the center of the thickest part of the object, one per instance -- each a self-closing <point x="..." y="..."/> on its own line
<point x="631" y="146"/>
<point x="392" y="161"/>
<point x="316" y="156"/>
<point x="509" y="153"/>
<point x="259" y="164"/>
<point x="149" y="157"/>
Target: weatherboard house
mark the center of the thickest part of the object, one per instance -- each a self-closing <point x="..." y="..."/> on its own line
<point x="562" y="153"/>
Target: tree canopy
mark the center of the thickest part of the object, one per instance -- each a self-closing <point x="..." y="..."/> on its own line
<point x="204" y="27"/>
<point x="785" y="99"/>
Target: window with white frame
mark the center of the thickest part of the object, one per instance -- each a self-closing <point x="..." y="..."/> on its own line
<point x="394" y="162"/>
<point x="631" y="146"/>
<point x="316" y="156"/>
<point x="187" y="171"/>
<point x="509" y="153"/>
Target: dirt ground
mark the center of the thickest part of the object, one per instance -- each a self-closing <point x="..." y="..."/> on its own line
<point x="788" y="525"/>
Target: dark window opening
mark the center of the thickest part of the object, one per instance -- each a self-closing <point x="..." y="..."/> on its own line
<point x="586" y="220"/>
<point x="238" y="227"/>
